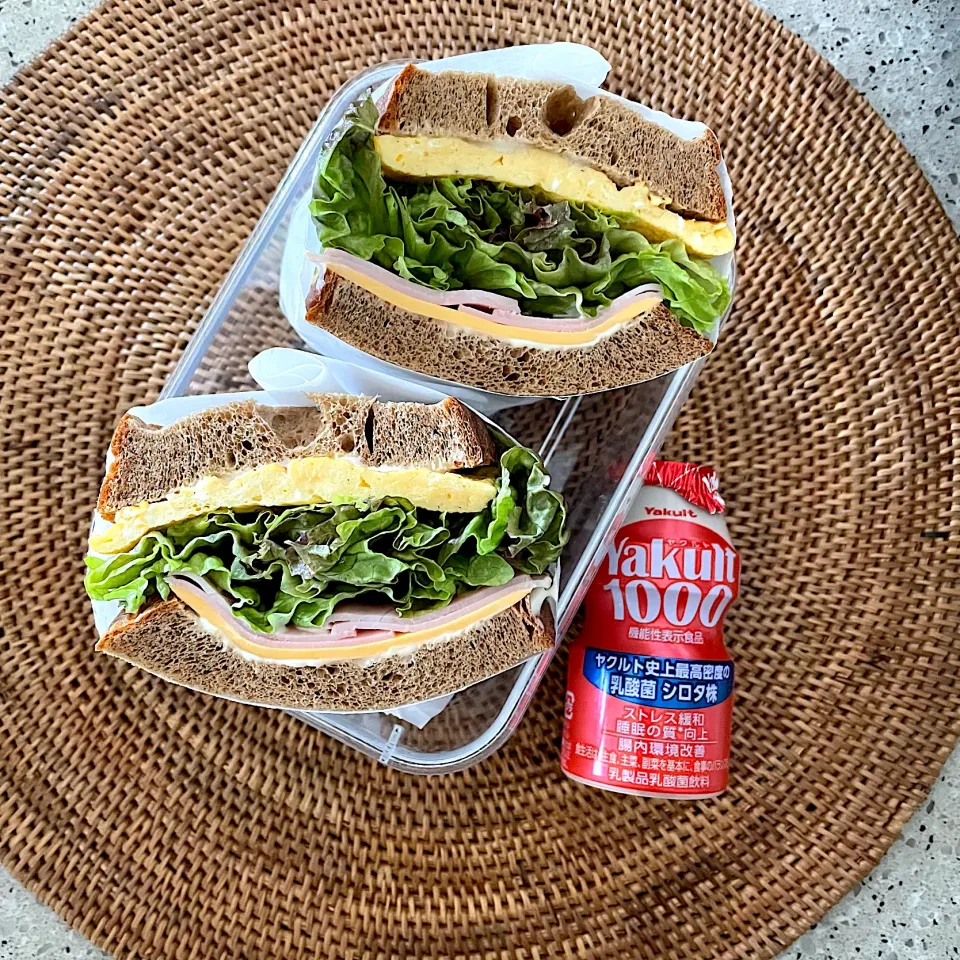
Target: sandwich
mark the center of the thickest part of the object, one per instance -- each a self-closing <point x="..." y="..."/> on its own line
<point x="508" y="235"/>
<point x="349" y="556"/>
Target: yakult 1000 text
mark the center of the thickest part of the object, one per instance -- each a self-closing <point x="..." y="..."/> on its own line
<point x="685" y="582"/>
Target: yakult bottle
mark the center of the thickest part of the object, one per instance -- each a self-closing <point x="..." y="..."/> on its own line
<point x="649" y="682"/>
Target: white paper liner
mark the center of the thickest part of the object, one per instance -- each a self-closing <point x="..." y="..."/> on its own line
<point x="287" y="376"/>
<point x="574" y="63"/>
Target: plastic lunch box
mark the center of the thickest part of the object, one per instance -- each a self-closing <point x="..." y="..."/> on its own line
<point x="597" y="448"/>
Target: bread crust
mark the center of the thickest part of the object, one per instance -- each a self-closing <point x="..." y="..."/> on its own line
<point x="600" y="132"/>
<point x="150" y="461"/>
<point x="643" y="348"/>
<point x="168" y="639"/>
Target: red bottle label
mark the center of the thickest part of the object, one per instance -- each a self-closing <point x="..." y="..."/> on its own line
<point x="649" y="683"/>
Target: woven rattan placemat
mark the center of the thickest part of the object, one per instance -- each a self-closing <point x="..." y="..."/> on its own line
<point x="137" y="155"/>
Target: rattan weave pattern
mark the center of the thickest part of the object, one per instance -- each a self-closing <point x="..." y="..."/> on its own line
<point x="137" y="155"/>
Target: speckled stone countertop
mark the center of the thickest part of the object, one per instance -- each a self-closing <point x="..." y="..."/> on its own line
<point x="904" y="55"/>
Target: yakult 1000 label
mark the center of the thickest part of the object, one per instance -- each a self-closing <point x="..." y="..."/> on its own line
<point x="649" y="682"/>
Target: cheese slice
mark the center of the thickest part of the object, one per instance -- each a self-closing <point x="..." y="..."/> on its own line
<point x="297" y="482"/>
<point x="400" y="643"/>
<point x="555" y="175"/>
<point x="502" y="331"/>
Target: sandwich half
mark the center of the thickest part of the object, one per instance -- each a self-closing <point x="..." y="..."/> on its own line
<point x="508" y="235"/>
<point x="353" y="555"/>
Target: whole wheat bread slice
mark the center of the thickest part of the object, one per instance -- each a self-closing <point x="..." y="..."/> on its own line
<point x="150" y="461"/>
<point x="600" y="132"/>
<point x="651" y="344"/>
<point x="167" y="639"/>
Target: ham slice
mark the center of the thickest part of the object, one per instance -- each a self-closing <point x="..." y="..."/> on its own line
<point x="385" y="617"/>
<point x="443" y="298"/>
<point x="349" y="624"/>
<point x="482" y="303"/>
<point x="572" y="324"/>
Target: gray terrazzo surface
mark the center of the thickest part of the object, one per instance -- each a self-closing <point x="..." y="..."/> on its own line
<point x="904" y="55"/>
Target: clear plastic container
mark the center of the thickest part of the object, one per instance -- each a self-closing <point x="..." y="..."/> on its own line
<point x="596" y="446"/>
